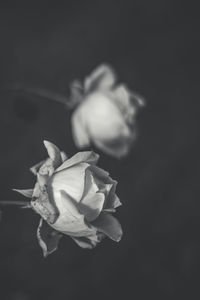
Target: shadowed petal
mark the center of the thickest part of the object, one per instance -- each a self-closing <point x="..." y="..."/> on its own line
<point x="100" y="173"/>
<point x="109" y="225"/>
<point x="47" y="168"/>
<point x="89" y="157"/>
<point x="71" y="221"/>
<point x="112" y="200"/>
<point x="76" y="95"/>
<point x="112" y="203"/>
<point x="91" y="206"/>
<point x="89" y="242"/>
<point x="48" y="238"/>
<point x="83" y="242"/>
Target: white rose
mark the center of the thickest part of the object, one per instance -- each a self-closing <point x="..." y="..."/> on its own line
<point x="105" y="114"/>
<point x="73" y="197"/>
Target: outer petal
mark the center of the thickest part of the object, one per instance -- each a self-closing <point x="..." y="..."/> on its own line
<point x="26" y="193"/>
<point x="128" y="102"/>
<point x="76" y="95"/>
<point x="92" y="206"/>
<point x="108" y="225"/>
<point x="34" y="169"/>
<point x="103" y="77"/>
<point x="48" y="238"/>
<point x="112" y="201"/>
<point x="63" y="156"/>
<point x="54" y="154"/>
<point x="89" y="242"/>
<point x="47" y="168"/>
<point x="102" y="179"/>
<point x="107" y="186"/>
<point x="79" y="129"/>
<point x="83" y="242"/>
<point x="89" y="157"/>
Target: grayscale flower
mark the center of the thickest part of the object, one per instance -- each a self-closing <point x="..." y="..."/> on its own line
<point x="105" y="112"/>
<point x="74" y="197"/>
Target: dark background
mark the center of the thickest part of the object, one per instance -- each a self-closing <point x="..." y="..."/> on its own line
<point x="154" y="47"/>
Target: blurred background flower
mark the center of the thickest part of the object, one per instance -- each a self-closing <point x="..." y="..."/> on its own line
<point x="106" y="112"/>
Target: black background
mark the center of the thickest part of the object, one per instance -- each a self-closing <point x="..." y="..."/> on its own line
<point x="154" y="47"/>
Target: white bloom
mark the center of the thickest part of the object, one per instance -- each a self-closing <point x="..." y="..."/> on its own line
<point x="106" y="113"/>
<point x="75" y="198"/>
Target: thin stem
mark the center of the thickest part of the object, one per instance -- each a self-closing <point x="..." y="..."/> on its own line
<point x="39" y="92"/>
<point x="13" y="202"/>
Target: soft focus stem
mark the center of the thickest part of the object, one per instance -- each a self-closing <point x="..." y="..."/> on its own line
<point x="39" y="92"/>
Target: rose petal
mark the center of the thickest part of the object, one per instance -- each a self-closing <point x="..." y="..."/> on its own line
<point x="36" y="191"/>
<point x="48" y="238"/>
<point x="70" y="180"/>
<point x="95" y="193"/>
<point x="112" y="201"/>
<point x="54" y="153"/>
<point x="83" y="242"/>
<point x="91" y="206"/>
<point x="79" y="131"/>
<point x="108" y="225"/>
<point x="104" y="118"/>
<point x="102" y="180"/>
<point x="122" y="99"/>
<point x="89" y="157"/>
<point x="107" y="186"/>
<point x="100" y="173"/>
<point x="63" y="156"/>
<point x="71" y="221"/>
<point x="36" y="167"/>
<point x="89" y="242"/>
<point x="76" y="94"/>
<point x="27" y="193"/>
<point x="47" y="168"/>
<point x="103" y="77"/>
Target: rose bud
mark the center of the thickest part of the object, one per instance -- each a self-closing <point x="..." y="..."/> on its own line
<point x="74" y="197"/>
<point x="105" y="113"/>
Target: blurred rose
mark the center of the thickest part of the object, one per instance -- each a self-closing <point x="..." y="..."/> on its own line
<point x="75" y="198"/>
<point x="106" y="113"/>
